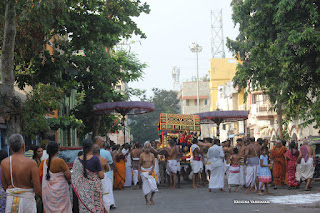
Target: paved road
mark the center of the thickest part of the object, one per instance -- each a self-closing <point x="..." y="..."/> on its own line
<point x="188" y="200"/>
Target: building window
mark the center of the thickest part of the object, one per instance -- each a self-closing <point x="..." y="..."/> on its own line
<point x="195" y="102"/>
<point x="187" y="102"/>
<point x="205" y="102"/>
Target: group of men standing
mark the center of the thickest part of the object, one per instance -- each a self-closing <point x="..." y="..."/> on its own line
<point x="240" y="165"/>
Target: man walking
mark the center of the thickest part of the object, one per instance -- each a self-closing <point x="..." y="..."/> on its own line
<point x="22" y="188"/>
<point x="147" y="174"/>
<point x="307" y="159"/>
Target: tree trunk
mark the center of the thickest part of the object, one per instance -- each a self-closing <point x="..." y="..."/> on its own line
<point x="280" y="120"/>
<point x="96" y="126"/>
<point x="11" y="104"/>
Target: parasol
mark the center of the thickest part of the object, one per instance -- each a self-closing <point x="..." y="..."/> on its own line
<point x="218" y="117"/>
<point x="124" y="108"/>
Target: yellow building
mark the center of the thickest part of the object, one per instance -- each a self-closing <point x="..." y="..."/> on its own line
<point x="222" y="70"/>
<point x="221" y="73"/>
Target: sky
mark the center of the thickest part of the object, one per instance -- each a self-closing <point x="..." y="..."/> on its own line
<point x="171" y="27"/>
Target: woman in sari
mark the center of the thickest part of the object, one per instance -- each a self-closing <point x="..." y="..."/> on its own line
<point x="37" y="155"/>
<point x="86" y="180"/>
<point x="292" y="155"/>
<point x="55" y="178"/>
<point x="279" y="164"/>
<point x="119" y="171"/>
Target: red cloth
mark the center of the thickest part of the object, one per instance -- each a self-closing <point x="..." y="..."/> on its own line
<point x="292" y="167"/>
<point x="279" y="165"/>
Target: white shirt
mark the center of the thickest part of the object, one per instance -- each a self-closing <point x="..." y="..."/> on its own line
<point x="215" y="155"/>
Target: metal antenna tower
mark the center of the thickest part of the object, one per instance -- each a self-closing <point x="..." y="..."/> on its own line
<point x="217" y="41"/>
<point x="176" y="77"/>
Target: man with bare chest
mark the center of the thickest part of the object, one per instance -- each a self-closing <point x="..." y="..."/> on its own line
<point x="172" y="164"/>
<point x="241" y="152"/>
<point x="147" y="174"/>
<point x="135" y="157"/>
<point x="196" y="163"/>
<point x="307" y="164"/>
<point x="228" y="151"/>
<point x="252" y="154"/>
<point x="20" y="178"/>
<point x="156" y="162"/>
<point x="234" y="176"/>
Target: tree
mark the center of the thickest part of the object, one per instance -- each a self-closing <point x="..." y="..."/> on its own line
<point x="10" y="103"/>
<point x="275" y="39"/>
<point x="99" y="72"/>
<point x="145" y="127"/>
<point x="94" y="27"/>
<point x="23" y="40"/>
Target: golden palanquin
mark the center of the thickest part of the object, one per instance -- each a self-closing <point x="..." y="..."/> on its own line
<point x="182" y="128"/>
<point x="178" y="122"/>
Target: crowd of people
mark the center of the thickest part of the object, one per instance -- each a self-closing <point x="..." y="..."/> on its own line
<point x="39" y="181"/>
<point x="251" y="165"/>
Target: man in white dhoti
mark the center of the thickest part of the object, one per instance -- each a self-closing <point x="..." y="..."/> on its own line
<point x="228" y="151"/>
<point x="105" y="153"/>
<point x="125" y="152"/>
<point x="107" y="201"/>
<point x="156" y="163"/>
<point x="305" y="169"/>
<point x="241" y="152"/>
<point x="195" y="162"/>
<point x="172" y="165"/>
<point x="147" y="174"/>
<point x="252" y="154"/>
<point x="234" y="176"/>
<point x="216" y="155"/>
<point x="21" y="190"/>
<point x="135" y="157"/>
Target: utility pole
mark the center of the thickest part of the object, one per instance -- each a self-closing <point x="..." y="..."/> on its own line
<point x="197" y="48"/>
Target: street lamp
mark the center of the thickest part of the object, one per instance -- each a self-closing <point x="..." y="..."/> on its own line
<point x="196" y="48"/>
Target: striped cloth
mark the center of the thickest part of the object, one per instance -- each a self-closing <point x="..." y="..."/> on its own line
<point x="29" y="154"/>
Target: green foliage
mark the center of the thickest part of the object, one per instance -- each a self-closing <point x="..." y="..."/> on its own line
<point x="65" y="122"/>
<point x="278" y="44"/>
<point x="145" y="127"/>
<point x="43" y="99"/>
<point x="67" y="26"/>
<point x="98" y="73"/>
